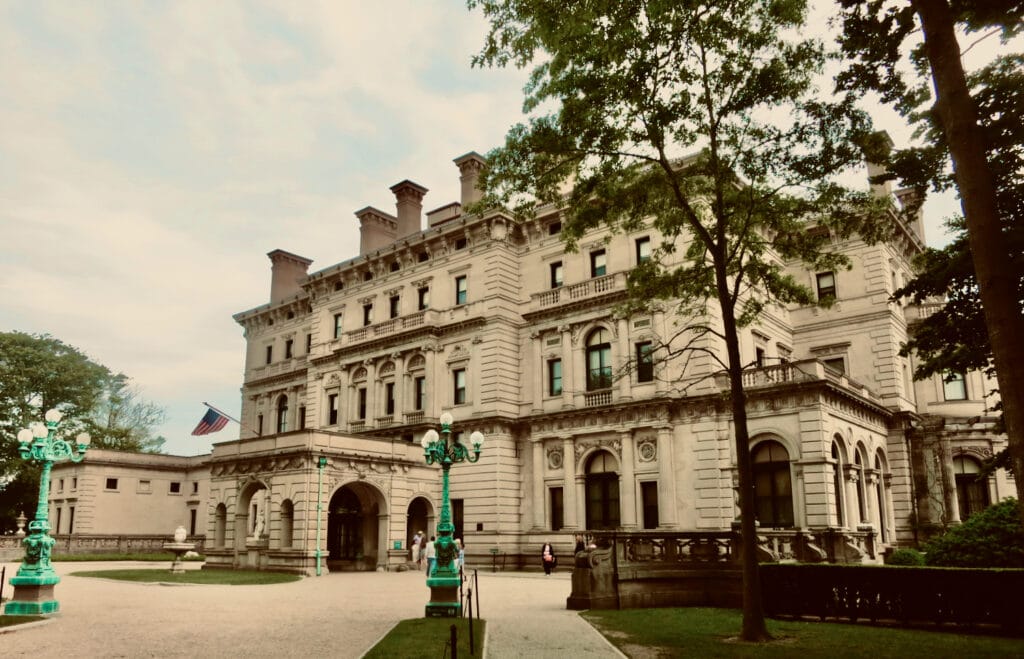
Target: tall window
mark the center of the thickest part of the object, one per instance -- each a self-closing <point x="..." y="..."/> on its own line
<point x="644" y="362"/>
<point x="422" y="298"/>
<point x="556" y="274"/>
<point x="602" y="492"/>
<point x="759" y="355"/>
<point x="643" y="249"/>
<point x="309" y="343"/>
<point x="554" y="377"/>
<point x="598" y="263"/>
<point x="460" y="289"/>
<point x="302" y="417"/>
<point x="862" y="508"/>
<point x="367" y="314"/>
<point x="288" y="345"/>
<point x="419" y="393"/>
<point x="282" y="414"/>
<point x="954" y="386"/>
<point x="270" y="354"/>
<point x="649" y="499"/>
<point x="971" y="486"/>
<point x="393" y="306"/>
<point x="332" y="409"/>
<point x="259" y="424"/>
<point x="389" y="398"/>
<point x="361" y="404"/>
<point x="557" y="509"/>
<point x="459" y="382"/>
<point x="337" y="325"/>
<point x="599" y="360"/>
<point x="773" y="491"/>
<point x="826" y="286"/>
<point x="287" y="523"/>
<point x="71" y="519"/>
<point x="837" y="483"/>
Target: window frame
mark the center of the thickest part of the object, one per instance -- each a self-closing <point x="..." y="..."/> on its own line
<point x="459" y="393"/>
<point x="598" y="269"/>
<point x="947" y="384"/>
<point x="642" y="249"/>
<point x="827" y="292"/>
<point x="644" y="361"/>
<point x="419" y="393"/>
<point x="555" y="381"/>
<point x="557" y="274"/>
<point x="394" y="306"/>
<point x="461" y="290"/>
<point x="368" y="314"/>
<point x="338" y="325"/>
<point x="422" y="298"/>
<point x="332" y="409"/>
<point x="600" y="377"/>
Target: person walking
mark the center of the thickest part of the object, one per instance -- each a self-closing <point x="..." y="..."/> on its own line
<point x="547" y="558"/>
<point x="417" y="543"/>
<point x="580" y="544"/>
<point x="431" y="554"/>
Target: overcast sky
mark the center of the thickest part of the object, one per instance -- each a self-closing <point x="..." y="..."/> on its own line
<point x="151" y="154"/>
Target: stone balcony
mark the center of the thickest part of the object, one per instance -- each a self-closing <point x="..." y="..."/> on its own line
<point x="584" y="290"/>
<point x="808" y="370"/>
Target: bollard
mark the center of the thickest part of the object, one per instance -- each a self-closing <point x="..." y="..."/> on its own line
<point x="455" y="642"/>
<point x="472" y="650"/>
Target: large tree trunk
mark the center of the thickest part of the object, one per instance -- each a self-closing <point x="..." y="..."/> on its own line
<point x="998" y="282"/>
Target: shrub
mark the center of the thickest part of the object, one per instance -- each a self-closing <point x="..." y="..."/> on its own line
<point x="905" y="557"/>
<point x="990" y="538"/>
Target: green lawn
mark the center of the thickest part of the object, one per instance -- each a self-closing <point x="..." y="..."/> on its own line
<point x="9" y="621"/>
<point x="700" y="632"/>
<point x="223" y="577"/>
<point x="156" y="557"/>
<point x="427" y="638"/>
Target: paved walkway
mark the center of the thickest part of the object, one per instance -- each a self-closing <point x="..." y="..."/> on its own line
<point x="337" y="615"/>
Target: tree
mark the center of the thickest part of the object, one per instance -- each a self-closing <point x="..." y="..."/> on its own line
<point x="873" y="34"/>
<point x="635" y="85"/>
<point x="38" y="373"/>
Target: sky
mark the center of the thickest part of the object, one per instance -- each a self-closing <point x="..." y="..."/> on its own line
<point x="152" y="153"/>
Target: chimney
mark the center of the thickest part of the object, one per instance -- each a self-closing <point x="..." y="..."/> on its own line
<point x="409" y="207"/>
<point x="377" y="229"/>
<point x="470" y="166"/>
<point x="912" y="204"/>
<point x="286" y="274"/>
<point x="878" y="148"/>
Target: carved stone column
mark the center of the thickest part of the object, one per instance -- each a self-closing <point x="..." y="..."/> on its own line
<point x="627" y="487"/>
<point x="569" y="492"/>
<point x="430" y="407"/>
<point x="569" y="384"/>
<point x="538" y="485"/>
<point x="667" y="513"/>
<point x="538" y="371"/>
<point x="625" y="359"/>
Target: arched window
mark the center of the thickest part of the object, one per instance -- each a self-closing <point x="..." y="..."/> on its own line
<point x="883" y="527"/>
<point x="837" y="483"/>
<point x="862" y="508"/>
<point x="773" y="489"/>
<point x="287" y="522"/>
<point x="971" y="487"/>
<point x="220" y="520"/>
<point x="599" y="360"/>
<point x="602" y="487"/>
<point x="282" y="414"/>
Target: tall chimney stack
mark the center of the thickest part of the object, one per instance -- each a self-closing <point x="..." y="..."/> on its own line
<point x="377" y="229"/>
<point x="881" y="145"/>
<point x="409" y="207"/>
<point x="470" y="166"/>
<point x="287" y="270"/>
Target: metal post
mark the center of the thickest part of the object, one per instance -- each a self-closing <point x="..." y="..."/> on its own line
<point x="470" y="601"/>
<point x="454" y="641"/>
<point x="321" y="463"/>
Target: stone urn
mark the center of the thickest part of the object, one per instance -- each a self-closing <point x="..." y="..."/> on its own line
<point x="179" y="547"/>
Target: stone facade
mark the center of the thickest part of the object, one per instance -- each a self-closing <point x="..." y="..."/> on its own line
<point x="589" y="425"/>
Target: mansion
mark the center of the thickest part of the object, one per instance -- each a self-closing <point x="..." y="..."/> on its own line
<point x="588" y="424"/>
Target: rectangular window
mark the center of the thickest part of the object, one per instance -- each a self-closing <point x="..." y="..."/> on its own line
<point x="643" y="249"/>
<point x="56" y="529"/>
<point x="556" y="274"/>
<point x="302" y="417"/>
<point x="71" y="519"/>
<point x="458" y="518"/>
<point x="192" y="521"/>
<point x="826" y="285"/>
<point x="74" y="483"/>
<point x="460" y="243"/>
<point x="644" y="362"/>
<point x="337" y="325"/>
<point x="195" y="487"/>
<point x="259" y="424"/>
<point x="420" y="393"/>
<point x="111" y="484"/>
<point x="394" y="306"/>
<point x="598" y="263"/>
<point x="459" y="381"/>
<point x="288" y="345"/>
<point x="60" y="485"/>
<point x="332" y="409"/>
<point x="309" y="343"/>
<point x="554" y="228"/>
<point x="554" y="377"/>
<point x="367" y="314"/>
<point x="837" y="364"/>
<point x="270" y="354"/>
<point x="389" y="398"/>
<point x="557" y="509"/>
<point x="422" y="298"/>
<point x="460" y="289"/>
<point x="954" y="386"/>
<point x="759" y="356"/>
<point x="175" y="487"/>
<point x="649" y="497"/>
<point x="361" y="411"/>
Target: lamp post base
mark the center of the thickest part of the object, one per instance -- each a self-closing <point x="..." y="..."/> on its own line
<point x="444" y="598"/>
<point x="32" y="599"/>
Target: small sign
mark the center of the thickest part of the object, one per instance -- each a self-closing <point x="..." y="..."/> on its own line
<point x="398" y="544"/>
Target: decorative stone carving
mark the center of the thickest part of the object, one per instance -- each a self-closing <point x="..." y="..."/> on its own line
<point x="555" y="458"/>
<point x="647" y="450"/>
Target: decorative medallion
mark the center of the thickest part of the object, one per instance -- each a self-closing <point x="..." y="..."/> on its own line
<point x="648" y="451"/>
<point x="555" y="458"/>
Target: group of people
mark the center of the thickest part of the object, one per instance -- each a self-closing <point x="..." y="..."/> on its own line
<point x="425" y="550"/>
<point x="548" y="559"/>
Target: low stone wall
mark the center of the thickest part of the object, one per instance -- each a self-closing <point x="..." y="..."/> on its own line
<point x="80" y="543"/>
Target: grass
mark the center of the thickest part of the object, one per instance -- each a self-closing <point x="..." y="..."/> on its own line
<point x="155" y="557"/>
<point x="700" y="632"/>
<point x="427" y="638"/>
<point x="221" y="577"/>
<point x="10" y="621"/>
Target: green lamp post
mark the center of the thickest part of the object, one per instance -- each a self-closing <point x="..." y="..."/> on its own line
<point x="444" y="579"/>
<point x="33" y="585"/>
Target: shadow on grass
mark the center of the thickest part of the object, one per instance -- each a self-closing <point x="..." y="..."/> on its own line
<point x="702" y="632"/>
<point x="219" y="577"/>
<point x="428" y="638"/>
<point x="14" y="621"/>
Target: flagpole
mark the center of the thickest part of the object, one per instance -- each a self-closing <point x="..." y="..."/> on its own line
<point x="231" y="418"/>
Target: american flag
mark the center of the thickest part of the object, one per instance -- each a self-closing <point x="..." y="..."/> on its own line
<point x="211" y="422"/>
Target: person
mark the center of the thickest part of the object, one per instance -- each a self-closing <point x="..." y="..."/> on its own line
<point x="547" y="558"/>
<point x="431" y="557"/>
<point x="581" y="545"/>
<point x="460" y="560"/>
<point x="416" y="542"/>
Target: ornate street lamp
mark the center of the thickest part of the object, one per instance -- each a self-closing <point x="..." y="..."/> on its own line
<point x="444" y="580"/>
<point x="33" y="585"/>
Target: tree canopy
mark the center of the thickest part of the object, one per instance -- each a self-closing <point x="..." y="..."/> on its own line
<point x="702" y="118"/>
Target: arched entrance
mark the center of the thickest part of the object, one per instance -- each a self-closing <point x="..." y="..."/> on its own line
<point x="602" y="488"/>
<point x="419" y="517"/>
<point x="353" y="528"/>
